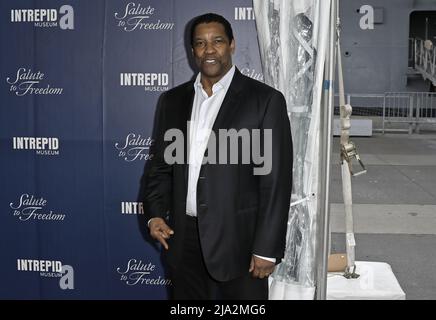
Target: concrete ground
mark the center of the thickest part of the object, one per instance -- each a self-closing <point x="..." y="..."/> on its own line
<point x="394" y="207"/>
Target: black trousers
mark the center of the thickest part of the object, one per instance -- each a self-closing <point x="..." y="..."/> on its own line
<point x="191" y="280"/>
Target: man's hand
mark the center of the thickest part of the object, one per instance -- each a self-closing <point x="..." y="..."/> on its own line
<point x="261" y="268"/>
<point x="160" y="231"/>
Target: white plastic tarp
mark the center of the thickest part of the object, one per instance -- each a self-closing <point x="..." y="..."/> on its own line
<point x="293" y="41"/>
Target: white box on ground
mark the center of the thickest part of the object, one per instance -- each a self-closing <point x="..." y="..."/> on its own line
<point x="376" y="282"/>
<point x="359" y="127"/>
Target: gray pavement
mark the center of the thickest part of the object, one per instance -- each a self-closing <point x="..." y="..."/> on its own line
<point x="394" y="207"/>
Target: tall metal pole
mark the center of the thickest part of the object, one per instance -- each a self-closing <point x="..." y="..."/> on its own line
<point x="325" y="148"/>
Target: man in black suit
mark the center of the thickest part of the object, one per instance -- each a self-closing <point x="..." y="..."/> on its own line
<point x="222" y="225"/>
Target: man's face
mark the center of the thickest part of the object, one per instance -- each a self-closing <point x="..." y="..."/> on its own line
<point x="212" y="50"/>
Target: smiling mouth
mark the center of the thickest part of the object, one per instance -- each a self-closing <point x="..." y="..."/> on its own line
<point x="210" y="61"/>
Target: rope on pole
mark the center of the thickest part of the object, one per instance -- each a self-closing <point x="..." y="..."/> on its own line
<point x="348" y="153"/>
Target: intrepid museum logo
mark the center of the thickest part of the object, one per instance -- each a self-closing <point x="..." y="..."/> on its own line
<point x="132" y="207"/>
<point x="49" y="269"/>
<point x="134" y="147"/>
<point x="43" y="146"/>
<point x="150" y="81"/>
<point x="39" y="265"/>
<point x="142" y="273"/>
<point x="31" y="208"/>
<point x="138" y="17"/>
<point x="27" y="81"/>
<point x="46" y="18"/>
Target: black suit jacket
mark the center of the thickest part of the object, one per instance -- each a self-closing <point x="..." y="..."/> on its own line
<point x="239" y="213"/>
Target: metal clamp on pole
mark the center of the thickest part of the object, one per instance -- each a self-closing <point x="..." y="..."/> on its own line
<point x="348" y="153"/>
<point x="351" y="274"/>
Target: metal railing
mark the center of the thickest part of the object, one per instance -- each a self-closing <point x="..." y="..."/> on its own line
<point x="411" y="108"/>
<point x="425" y="59"/>
<point x="393" y="111"/>
<point x="424" y="104"/>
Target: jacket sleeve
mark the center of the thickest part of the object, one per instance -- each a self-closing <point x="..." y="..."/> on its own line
<point x="274" y="187"/>
<point x="156" y="182"/>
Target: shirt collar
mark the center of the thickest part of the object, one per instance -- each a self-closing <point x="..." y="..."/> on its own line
<point x="223" y="83"/>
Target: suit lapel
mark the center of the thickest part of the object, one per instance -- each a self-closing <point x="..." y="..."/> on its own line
<point x="187" y="102"/>
<point x="229" y="105"/>
<point x="186" y="111"/>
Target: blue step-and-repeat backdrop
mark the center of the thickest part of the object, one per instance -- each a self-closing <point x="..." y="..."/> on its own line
<point x="79" y="84"/>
